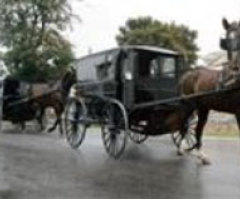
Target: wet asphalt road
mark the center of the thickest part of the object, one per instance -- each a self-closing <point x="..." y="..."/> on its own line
<point x="39" y="166"/>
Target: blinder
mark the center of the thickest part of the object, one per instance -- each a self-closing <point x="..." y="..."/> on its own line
<point x="230" y="44"/>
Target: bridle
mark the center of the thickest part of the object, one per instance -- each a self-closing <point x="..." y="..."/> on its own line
<point x="231" y="42"/>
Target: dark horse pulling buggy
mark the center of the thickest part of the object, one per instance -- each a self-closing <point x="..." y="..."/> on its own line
<point x="130" y="91"/>
<point x="21" y="101"/>
<point x="16" y="106"/>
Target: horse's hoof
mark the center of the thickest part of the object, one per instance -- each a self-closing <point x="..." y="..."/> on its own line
<point x="206" y="161"/>
<point x="180" y="152"/>
<point x="49" y="130"/>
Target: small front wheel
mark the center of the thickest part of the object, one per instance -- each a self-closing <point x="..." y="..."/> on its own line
<point x="75" y="122"/>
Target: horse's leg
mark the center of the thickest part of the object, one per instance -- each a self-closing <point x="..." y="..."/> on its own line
<point x="180" y="148"/>
<point x="58" y="112"/>
<point x="237" y="115"/>
<point x="55" y="107"/>
<point x="60" y="126"/>
<point x="39" y="109"/>
<point x="60" y="123"/>
<point x="40" y="116"/>
<point x="54" y="125"/>
<point x="202" y="119"/>
<point x="57" y="122"/>
<point x="22" y="125"/>
<point x="188" y="112"/>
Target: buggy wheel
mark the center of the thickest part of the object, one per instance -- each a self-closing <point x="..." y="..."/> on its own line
<point x="75" y="122"/>
<point x="137" y="137"/>
<point x="114" y="129"/>
<point x="189" y="139"/>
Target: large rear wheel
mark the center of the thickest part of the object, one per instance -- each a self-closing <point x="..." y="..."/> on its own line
<point x="75" y="122"/>
<point x="114" y="129"/>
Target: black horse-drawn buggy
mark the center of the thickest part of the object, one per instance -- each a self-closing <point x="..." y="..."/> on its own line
<point x="22" y="101"/>
<point x="16" y="103"/>
<point x="130" y="91"/>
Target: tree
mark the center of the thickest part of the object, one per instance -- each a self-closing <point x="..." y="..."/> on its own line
<point x="31" y="32"/>
<point x="148" y="31"/>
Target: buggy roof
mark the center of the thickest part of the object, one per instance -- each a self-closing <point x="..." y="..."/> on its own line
<point x="135" y="47"/>
<point x="151" y="48"/>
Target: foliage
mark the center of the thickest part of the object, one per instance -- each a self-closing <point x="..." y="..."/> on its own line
<point x="148" y="31"/>
<point x="31" y="32"/>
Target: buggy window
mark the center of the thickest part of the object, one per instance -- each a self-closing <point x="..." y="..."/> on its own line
<point x="167" y="64"/>
<point x="105" y="69"/>
<point x="155" y="65"/>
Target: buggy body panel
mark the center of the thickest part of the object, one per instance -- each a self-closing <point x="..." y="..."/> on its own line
<point x="96" y="73"/>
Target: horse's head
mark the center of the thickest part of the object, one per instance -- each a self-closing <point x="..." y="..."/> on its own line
<point x="231" y="42"/>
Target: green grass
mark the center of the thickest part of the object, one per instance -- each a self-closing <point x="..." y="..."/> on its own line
<point x="221" y="130"/>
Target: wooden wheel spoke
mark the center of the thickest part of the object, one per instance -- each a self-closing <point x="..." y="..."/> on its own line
<point x="68" y="128"/>
<point x="113" y="147"/>
<point x="189" y="136"/>
<point x="117" y="145"/>
<point x="107" y="139"/>
<point x="74" y="128"/>
<point x="113" y="130"/>
<point x="137" y="137"/>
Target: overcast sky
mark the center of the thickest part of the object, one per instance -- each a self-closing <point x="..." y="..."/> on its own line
<point x="102" y="18"/>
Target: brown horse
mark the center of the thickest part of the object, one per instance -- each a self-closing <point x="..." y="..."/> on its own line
<point x="202" y="80"/>
<point x="54" y="96"/>
<point x="24" y="102"/>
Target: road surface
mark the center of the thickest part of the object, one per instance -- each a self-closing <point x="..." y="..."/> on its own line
<point x="42" y="166"/>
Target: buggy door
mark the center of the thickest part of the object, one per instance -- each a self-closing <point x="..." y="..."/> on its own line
<point x="156" y="76"/>
<point x="128" y="60"/>
<point x="164" y="73"/>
